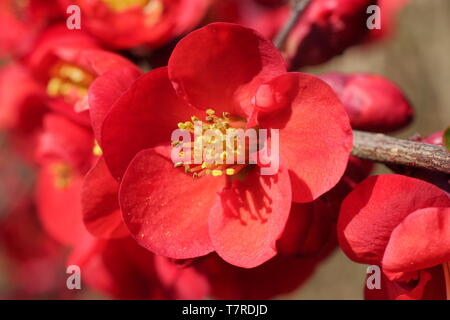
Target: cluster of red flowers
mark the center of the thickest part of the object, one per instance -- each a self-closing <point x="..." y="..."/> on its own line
<point x="79" y="110"/>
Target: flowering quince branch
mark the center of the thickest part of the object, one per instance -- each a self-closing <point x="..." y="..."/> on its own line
<point x="385" y="149"/>
<point x="298" y="7"/>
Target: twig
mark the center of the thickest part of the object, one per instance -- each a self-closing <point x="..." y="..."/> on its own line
<point x="389" y="150"/>
<point x="298" y="7"/>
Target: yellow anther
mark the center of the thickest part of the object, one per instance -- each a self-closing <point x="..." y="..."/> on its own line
<point x="178" y="164"/>
<point x="230" y="171"/>
<point x="216" y="173"/>
<point x="73" y="73"/>
<point x="96" y="150"/>
<point x="210" y="112"/>
<point x="194" y="118"/>
<point x="205" y="165"/>
<point x="181" y="126"/>
<point x="53" y="86"/>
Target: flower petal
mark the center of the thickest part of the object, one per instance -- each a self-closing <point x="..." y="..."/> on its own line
<point x="315" y="134"/>
<point x="104" y="91"/>
<point x="165" y="209"/>
<point x="420" y="241"/>
<point x="143" y="117"/>
<point x="99" y="199"/>
<point x="220" y="66"/>
<point x="248" y="217"/>
<point x="376" y="207"/>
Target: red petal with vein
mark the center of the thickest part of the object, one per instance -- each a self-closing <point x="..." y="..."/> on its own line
<point x="372" y="211"/>
<point x="221" y="66"/>
<point x="165" y="209"/>
<point x="315" y="135"/>
<point x="99" y="199"/>
<point x="104" y="91"/>
<point x="248" y="217"/>
<point x="143" y="117"/>
<point x="420" y="241"/>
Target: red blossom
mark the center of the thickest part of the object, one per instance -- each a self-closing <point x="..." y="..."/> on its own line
<point x="169" y="212"/>
<point x="121" y="25"/>
<point x="65" y="65"/>
<point x="401" y="224"/>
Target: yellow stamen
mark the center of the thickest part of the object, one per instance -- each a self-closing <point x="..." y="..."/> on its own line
<point x="97" y="151"/>
<point x="214" y="158"/>
<point x="216" y="173"/>
<point x="230" y="171"/>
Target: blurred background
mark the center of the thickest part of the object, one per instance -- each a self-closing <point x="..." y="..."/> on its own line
<point x="416" y="58"/>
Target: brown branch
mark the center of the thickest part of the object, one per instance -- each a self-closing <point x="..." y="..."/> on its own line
<point x="389" y="150"/>
<point x="298" y="7"/>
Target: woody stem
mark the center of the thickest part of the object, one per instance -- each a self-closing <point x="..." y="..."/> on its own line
<point x="298" y="7"/>
<point x="447" y="278"/>
<point x="394" y="151"/>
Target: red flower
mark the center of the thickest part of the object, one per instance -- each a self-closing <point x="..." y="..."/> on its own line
<point x="403" y="225"/>
<point x="372" y="102"/>
<point x="127" y="24"/>
<point x="175" y="215"/>
<point x="66" y="64"/>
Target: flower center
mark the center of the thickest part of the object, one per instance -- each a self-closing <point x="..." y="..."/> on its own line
<point x="215" y="146"/>
<point x="69" y="81"/>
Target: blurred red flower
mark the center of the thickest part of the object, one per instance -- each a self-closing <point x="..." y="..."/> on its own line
<point x="126" y="24"/>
